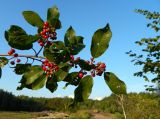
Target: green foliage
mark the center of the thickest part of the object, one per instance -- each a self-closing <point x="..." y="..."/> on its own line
<point x="19" y="39"/>
<point x="33" y="18"/>
<point x="74" y="42"/>
<point x="140" y="106"/>
<point x="34" y="79"/>
<point x="115" y="84"/>
<point x="3" y="61"/>
<point x="72" y="78"/>
<point x="22" y="68"/>
<point x="58" y="56"/>
<point x="56" y="52"/>
<point x="149" y="58"/>
<point x="100" y="41"/>
<point x="84" y="89"/>
<point x="60" y="75"/>
<point x="53" y="17"/>
<point x="51" y="84"/>
<point x="84" y="65"/>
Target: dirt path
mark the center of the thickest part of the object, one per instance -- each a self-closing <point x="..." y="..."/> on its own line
<point x="60" y="115"/>
<point x="101" y="116"/>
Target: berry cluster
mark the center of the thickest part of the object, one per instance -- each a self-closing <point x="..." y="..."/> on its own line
<point x="100" y="68"/>
<point x="15" y="56"/>
<point x="46" y="33"/>
<point x="49" y="67"/>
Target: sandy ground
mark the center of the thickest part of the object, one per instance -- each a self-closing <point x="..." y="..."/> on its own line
<point x="58" y="115"/>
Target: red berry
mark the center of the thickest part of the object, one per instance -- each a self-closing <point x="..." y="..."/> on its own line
<point x="18" y="60"/>
<point x="103" y="65"/>
<point x="93" y="74"/>
<point x="12" y="50"/>
<point x="45" y="36"/>
<point x="49" y="43"/>
<point x="72" y="57"/>
<point x="80" y="74"/>
<point x="45" y="61"/>
<point x="51" y="65"/>
<point x="77" y="59"/>
<point x="54" y="33"/>
<point x="10" y="53"/>
<point x="42" y="33"/>
<point x="15" y="55"/>
<point x="41" y="44"/>
<point x="39" y="40"/>
<point x="12" y="62"/>
<point x="56" y="68"/>
<point x="46" y="23"/>
<point x="44" y="30"/>
<point x="44" y="68"/>
<point x="48" y="29"/>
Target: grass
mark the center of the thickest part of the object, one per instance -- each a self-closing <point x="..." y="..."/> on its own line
<point x="16" y="115"/>
<point x="81" y="114"/>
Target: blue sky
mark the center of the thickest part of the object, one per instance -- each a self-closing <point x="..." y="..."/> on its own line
<point x="85" y="16"/>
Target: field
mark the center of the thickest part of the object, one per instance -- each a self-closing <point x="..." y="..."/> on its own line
<point x="136" y="105"/>
<point x="82" y="114"/>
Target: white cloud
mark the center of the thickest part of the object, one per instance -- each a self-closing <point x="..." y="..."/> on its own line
<point x="97" y="98"/>
<point x="71" y="96"/>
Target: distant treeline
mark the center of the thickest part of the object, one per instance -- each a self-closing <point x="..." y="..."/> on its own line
<point x="140" y="106"/>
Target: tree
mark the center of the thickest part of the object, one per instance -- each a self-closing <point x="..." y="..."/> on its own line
<point x="58" y="57"/>
<point x="149" y="58"/>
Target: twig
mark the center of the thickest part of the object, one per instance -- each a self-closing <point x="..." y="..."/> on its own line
<point x="122" y="104"/>
<point x="38" y="58"/>
<point x="34" y="51"/>
<point x="28" y="56"/>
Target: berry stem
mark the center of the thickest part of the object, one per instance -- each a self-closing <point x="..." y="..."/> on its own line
<point x="27" y="56"/>
<point x="41" y="48"/>
<point x="39" y="51"/>
<point x="34" y="51"/>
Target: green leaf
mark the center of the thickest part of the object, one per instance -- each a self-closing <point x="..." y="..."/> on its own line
<point x="53" y="13"/>
<point x="56" y="52"/>
<point x="34" y="79"/>
<point x="69" y="35"/>
<point x="84" y="89"/>
<point x="22" y="68"/>
<point x="17" y="38"/>
<point x="56" y="23"/>
<point x="33" y="74"/>
<point x="74" y="42"/>
<point x="51" y="85"/>
<point x="84" y="65"/>
<point x="78" y="46"/>
<point x="72" y="78"/>
<point x="33" y="18"/>
<point x="100" y="41"/>
<point x="115" y="84"/>
<point x="53" y="17"/>
<point x="3" y="61"/>
<point x="39" y="83"/>
<point x="60" y="75"/>
<point x="62" y="72"/>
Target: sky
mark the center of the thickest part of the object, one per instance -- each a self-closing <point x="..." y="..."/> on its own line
<point x="85" y="16"/>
